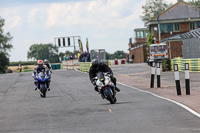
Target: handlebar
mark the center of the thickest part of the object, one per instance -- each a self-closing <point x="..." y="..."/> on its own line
<point x="95" y="78"/>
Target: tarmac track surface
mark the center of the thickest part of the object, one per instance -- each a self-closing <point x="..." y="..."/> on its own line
<point x="72" y="106"/>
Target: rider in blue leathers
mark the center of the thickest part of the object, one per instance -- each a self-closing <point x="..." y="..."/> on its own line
<point x="40" y="67"/>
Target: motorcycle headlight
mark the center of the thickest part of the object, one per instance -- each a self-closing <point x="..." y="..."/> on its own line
<point x="101" y="84"/>
<point x="106" y="81"/>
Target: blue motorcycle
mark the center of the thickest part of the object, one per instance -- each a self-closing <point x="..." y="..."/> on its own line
<point x="42" y="80"/>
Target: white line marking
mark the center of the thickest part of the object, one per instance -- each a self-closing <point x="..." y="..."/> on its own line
<point x="80" y="71"/>
<point x="177" y="103"/>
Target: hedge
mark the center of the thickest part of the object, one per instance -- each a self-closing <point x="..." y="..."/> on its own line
<point x="23" y="63"/>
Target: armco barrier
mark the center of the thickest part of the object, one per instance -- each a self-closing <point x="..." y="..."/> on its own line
<point x="70" y="64"/>
<point x="117" y="62"/>
<point x="194" y="64"/>
<point x="111" y="62"/>
<point x="55" y="66"/>
<point x="122" y="61"/>
<point x="85" y="66"/>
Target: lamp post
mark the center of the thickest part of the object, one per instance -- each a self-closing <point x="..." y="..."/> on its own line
<point x="157" y="12"/>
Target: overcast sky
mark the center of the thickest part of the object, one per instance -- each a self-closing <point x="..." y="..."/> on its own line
<point x="108" y="24"/>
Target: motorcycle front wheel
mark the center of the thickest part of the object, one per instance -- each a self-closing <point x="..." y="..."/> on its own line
<point x="109" y="96"/>
<point x="43" y="90"/>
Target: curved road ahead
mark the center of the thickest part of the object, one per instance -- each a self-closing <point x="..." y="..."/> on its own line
<point x="72" y="106"/>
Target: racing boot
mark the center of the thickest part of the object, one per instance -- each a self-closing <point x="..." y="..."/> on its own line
<point x="102" y="95"/>
<point x="117" y="89"/>
<point x="35" y="82"/>
<point x="115" y="100"/>
<point x="96" y="89"/>
<point x="48" y="86"/>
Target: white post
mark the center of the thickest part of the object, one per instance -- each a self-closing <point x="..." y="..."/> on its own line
<point x="152" y="75"/>
<point x="187" y="79"/>
<point x="158" y="75"/>
<point x="177" y="79"/>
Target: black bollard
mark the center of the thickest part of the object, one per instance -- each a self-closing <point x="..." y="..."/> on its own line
<point x="152" y="75"/>
<point x="177" y="79"/>
<point x="158" y="75"/>
<point x="187" y="79"/>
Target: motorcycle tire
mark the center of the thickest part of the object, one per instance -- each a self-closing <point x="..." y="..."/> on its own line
<point x="43" y="90"/>
<point x="114" y="95"/>
<point x="109" y="97"/>
<point x="115" y="99"/>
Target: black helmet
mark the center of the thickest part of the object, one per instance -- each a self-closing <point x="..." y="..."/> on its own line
<point x="95" y="64"/>
<point x="46" y="61"/>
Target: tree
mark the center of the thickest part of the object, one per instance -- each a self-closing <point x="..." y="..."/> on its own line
<point x="195" y="3"/>
<point x="61" y="55"/>
<point x="69" y="53"/>
<point x="120" y="54"/>
<point x="5" y="46"/>
<point x="150" y="40"/>
<point x="117" y="55"/>
<point x="151" y="7"/>
<point x="108" y="56"/>
<point x="4" y="61"/>
<point x="43" y="51"/>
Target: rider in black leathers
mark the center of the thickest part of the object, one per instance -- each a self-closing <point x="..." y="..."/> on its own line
<point x="46" y="62"/>
<point x="100" y="67"/>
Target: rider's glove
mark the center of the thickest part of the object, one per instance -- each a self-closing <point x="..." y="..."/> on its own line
<point x="35" y="82"/>
<point x="94" y="83"/>
<point x="111" y="76"/>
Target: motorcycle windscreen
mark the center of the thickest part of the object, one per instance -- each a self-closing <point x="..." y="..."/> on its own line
<point x="42" y="75"/>
<point x="100" y="75"/>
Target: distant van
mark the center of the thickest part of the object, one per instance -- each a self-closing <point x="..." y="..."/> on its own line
<point x="158" y="52"/>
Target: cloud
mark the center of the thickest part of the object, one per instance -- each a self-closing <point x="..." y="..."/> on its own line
<point x="101" y="13"/>
<point x="15" y="21"/>
<point x="12" y="19"/>
<point x="32" y="15"/>
<point x="98" y="14"/>
<point x="107" y="23"/>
